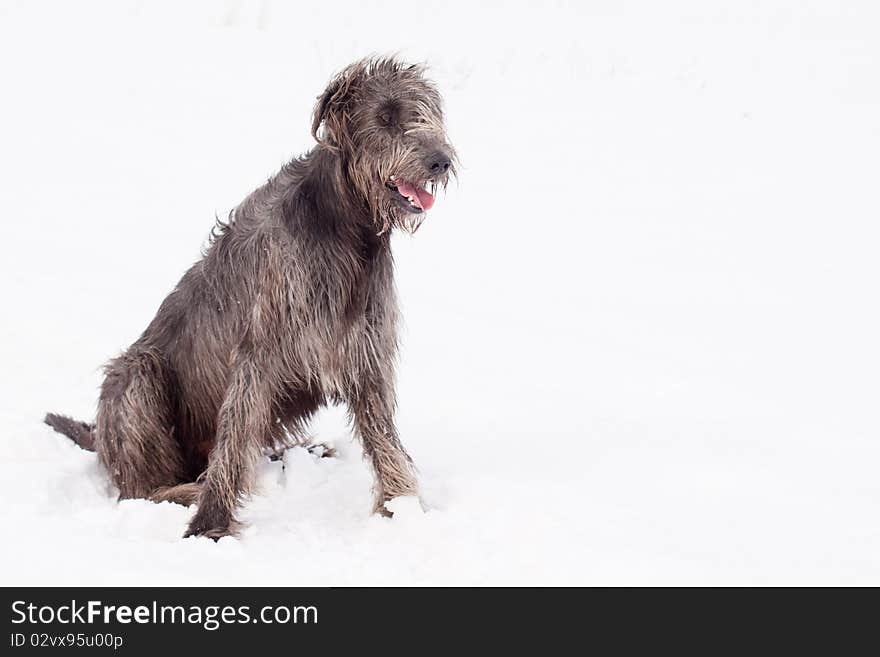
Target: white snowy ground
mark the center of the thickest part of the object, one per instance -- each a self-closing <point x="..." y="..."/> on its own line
<point x="641" y="341"/>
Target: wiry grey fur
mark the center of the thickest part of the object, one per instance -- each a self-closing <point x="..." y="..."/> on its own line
<point x="291" y="307"/>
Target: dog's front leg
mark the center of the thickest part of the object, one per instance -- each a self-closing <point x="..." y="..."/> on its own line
<point x="372" y="411"/>
<point x="244" y="419"/>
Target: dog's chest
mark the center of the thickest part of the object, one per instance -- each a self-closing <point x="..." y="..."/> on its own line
<point x="355" y="344"/>
<point x="341" y="325"/>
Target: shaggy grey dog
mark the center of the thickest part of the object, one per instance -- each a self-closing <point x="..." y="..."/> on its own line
<point x="291" y="307"/>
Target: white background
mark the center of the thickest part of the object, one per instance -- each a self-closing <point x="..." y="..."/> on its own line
<point x="641" y="334"/>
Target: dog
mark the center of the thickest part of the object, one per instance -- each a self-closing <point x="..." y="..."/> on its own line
<point x="291" y="307"/>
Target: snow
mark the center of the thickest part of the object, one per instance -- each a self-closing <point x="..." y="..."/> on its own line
<point x="641" y="334"/>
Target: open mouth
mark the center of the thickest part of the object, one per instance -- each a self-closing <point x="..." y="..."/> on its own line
<point x="411" y="196"/>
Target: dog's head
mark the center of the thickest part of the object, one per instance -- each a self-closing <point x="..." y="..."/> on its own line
<point x="386" y="121"/>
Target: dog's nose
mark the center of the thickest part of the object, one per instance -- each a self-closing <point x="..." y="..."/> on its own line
<point x="438" y="163"/>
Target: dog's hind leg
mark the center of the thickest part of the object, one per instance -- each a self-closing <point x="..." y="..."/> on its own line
<point x="295" y="411"/>
<point x="134" y="429"/>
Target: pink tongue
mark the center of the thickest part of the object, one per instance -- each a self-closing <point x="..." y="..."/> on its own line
<point x="421" y="197"/>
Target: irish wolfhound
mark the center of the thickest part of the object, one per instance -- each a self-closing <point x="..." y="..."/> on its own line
<point x="292" y="306"/>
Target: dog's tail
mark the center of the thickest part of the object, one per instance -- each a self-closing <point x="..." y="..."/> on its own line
<point x="79" y="432"/>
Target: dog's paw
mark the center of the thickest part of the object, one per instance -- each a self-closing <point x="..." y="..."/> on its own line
<point x="214" y="534"/>
<point x="382" y="510"/>
<point x="212" y="525"/>
<point x="405" y="506"/>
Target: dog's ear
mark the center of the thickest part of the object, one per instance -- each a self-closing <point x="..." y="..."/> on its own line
<point x="330" y="110"/>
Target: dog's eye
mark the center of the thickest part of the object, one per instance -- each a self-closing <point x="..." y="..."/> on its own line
<point x="388" y="115"/>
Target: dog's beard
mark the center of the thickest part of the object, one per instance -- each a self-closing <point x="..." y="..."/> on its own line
<point x="390" y="216"/>
<point x="410" y="223"/>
